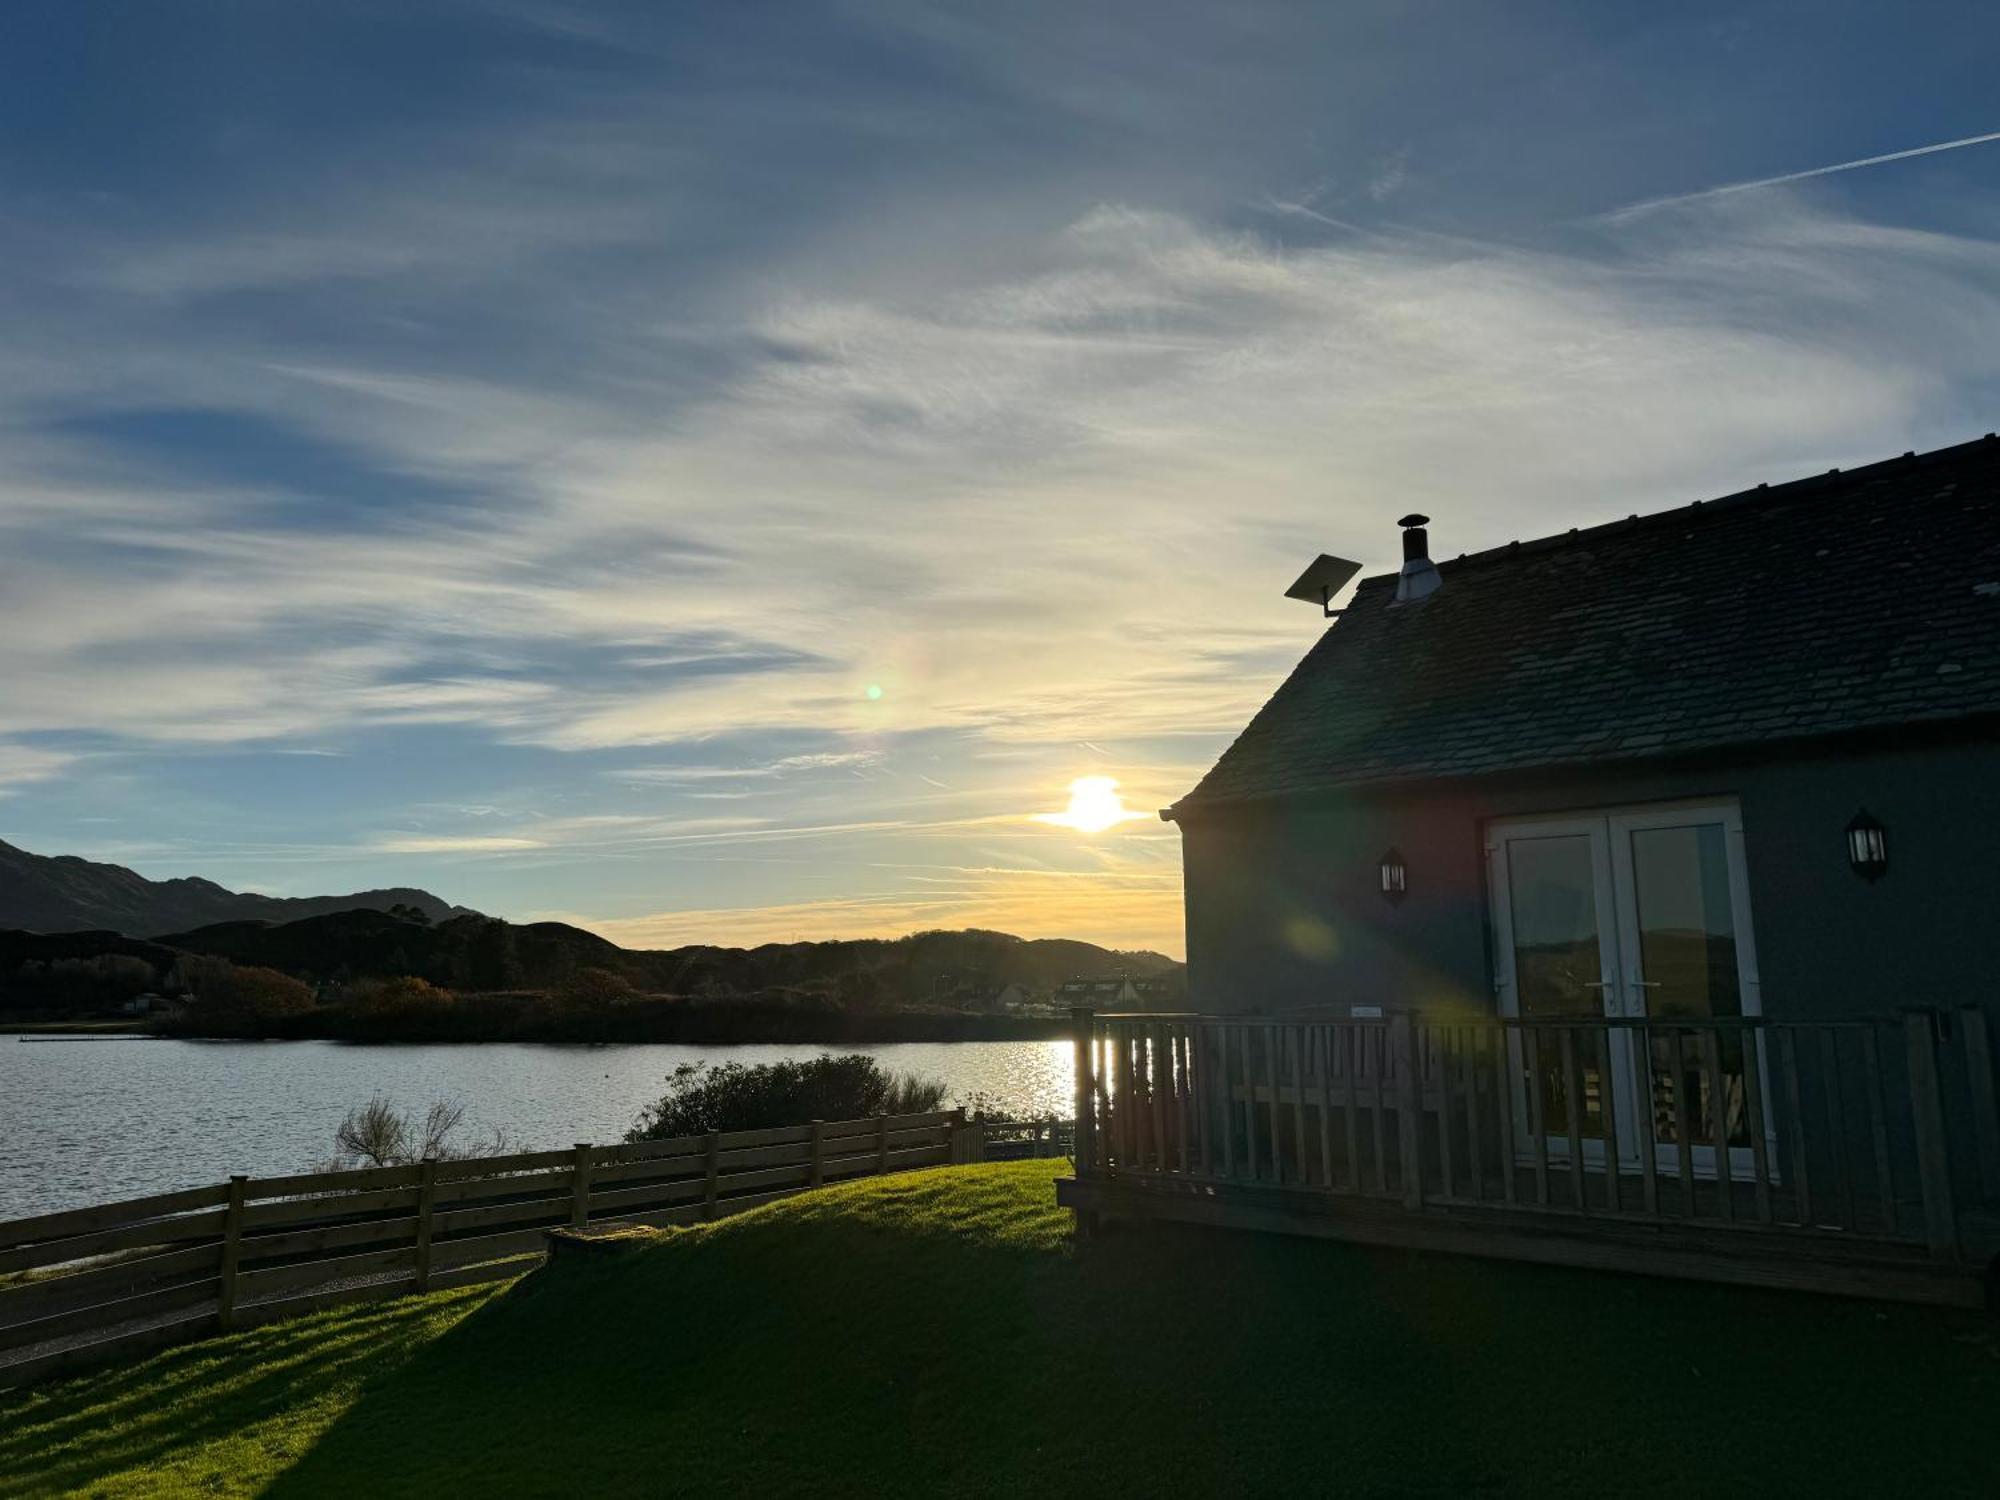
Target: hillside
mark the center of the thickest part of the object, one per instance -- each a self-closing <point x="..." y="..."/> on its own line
<point x="65" y="893"/>
<point x="941" y="1334"/>
<point x="485" y="953"/>
<point x="546" y="981"/>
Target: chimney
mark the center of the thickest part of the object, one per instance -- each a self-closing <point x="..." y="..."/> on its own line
<point x="1419" y="578"/>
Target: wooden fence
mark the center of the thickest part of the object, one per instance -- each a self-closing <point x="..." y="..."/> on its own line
<point x="1846" y="1147"/>
<point x="118" y="1278"/>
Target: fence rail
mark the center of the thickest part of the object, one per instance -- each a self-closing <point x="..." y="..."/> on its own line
<point x="117" y="1278"/>
<point x="1877" y="1134"/>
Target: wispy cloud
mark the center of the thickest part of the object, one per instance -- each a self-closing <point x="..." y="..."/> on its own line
<point x="869" y="448"/>
<point x="459" y="844"/>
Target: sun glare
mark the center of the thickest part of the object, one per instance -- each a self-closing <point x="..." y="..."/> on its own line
<point x="1094" y="806"/>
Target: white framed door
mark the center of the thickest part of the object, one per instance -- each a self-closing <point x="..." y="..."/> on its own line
<point x="1640" y="912"/>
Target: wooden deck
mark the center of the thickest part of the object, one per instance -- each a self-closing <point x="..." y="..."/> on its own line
<point x="1857" y="1157"/>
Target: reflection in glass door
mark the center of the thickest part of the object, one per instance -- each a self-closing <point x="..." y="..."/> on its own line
<point x="1683" y="924"/>
<point x="1557" y="921"/>
<point x="1636" y="914"/>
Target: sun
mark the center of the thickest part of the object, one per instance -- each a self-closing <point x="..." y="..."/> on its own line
<point x="1094" y="806"/>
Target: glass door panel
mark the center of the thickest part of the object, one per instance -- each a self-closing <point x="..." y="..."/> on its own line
<point x="1560" y="966"/>
<point x="1688" y="969"/>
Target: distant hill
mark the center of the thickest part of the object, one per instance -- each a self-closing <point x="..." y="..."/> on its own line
<point x="62" y="893"/>
<point x="947" y="970"/>
<point x="472" y="952"/>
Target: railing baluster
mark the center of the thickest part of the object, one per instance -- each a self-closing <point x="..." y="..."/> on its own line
<point x="1878" y="1129"/>
<point x="1349" y="1037"/>
<point x="1128" y="1100"/>
<point x="1272" y="1041"/>
<point x="1538" y="1125"/>
<point x="1836" y="1123"/>
<point x="1753" y="1109"/>
<point x="1409" y="1110"/>
<point x="1607" y="1114"/>
<point x="1439" y="1035"/>
<point x="1181" y="1037"/>
<point x="1160" y="1081"/>
<point x="1249" y="1107"/>
<point x="1469" y="1080"/>
<point x="1718" y="1110"/>
<point x="1572" y="1078"/>
<point x="1644" y="1106"/>
<point x="1376" y="1102"/>
<point x="1226" y="1116"/>
<point x="1503" y="1101"/>
<point x="1788" y="1049"/>
<point x="1297" y="1039"/>
<point x="1323" y="1054"/>
<point x="1683" y="1124"/>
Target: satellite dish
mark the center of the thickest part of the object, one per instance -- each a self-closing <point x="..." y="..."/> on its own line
<point x="1325" y="578"/>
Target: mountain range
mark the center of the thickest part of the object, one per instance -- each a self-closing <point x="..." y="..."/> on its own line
<point x="64" y="893"/>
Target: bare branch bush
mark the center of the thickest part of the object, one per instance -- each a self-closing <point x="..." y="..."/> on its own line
<point x="378" y="1134"/>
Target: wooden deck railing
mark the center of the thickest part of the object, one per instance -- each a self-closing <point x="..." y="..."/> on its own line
<point x="1882" y="1131"/>
<point x="120" y="1277"/>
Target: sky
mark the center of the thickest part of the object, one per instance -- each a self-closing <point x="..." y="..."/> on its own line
<point x="720" y="472"/>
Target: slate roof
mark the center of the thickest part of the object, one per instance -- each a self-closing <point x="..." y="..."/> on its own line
<point x="1854" y="601"/>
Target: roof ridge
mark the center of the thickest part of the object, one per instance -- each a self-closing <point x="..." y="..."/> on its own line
<point x="1731" y="501"/>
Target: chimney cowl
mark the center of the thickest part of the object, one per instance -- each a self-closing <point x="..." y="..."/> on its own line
<point x="1419" y="578"/>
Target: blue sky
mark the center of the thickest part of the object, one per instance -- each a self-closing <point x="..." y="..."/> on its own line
<point x="715" y="472"/>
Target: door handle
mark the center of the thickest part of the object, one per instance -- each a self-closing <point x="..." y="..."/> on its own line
<point x="1600" y="984"/>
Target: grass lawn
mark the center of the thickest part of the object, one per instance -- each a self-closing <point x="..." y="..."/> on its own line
<point x="939" y="1334"/>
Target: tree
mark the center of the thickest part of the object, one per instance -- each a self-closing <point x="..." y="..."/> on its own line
<point x="734" y="1096"/>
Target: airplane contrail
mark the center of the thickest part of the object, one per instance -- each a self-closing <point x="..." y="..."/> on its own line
<point x="1632" y="210"/>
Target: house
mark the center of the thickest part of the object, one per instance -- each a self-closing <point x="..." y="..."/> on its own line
<point x="1641" y="873"/>
<point x="1119" y="991"/>
<point x="1738" y="757"/>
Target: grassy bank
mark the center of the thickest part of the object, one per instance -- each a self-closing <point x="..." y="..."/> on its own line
<point x="940" y="1334"/>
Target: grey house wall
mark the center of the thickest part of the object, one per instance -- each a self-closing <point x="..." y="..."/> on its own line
<point x="1284" y="909"/>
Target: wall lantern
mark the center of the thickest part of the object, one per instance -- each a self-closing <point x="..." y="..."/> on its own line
<point x="1868" y="846"/>
<point x="1395" y="879"/>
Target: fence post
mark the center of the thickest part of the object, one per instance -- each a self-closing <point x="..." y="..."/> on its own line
<point x="818" y="1153"/>
<point x="1927" y="1115"/>
<point x="954" y="1138"/>
<point x="426" y="1202"/>
<point x="1080" y="1024"/>
<point x="975" y="1141"/>
<point x="882" y="1144"/>
<point x="711" y="1159"/>
<point x="580" y="1209"/>
<point x="232" y="1249"/>
<point x="1409" y="1119"/>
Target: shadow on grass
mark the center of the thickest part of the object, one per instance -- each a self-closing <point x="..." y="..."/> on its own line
<point x="264" y="1395"/>
<point x="941" y="1334"/>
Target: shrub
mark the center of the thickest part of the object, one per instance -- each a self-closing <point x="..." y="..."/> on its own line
<point x="735" y="1096"/>
<point x="591" y="989"/>
<point x="242" y="999"/>
<point x="395" y="999"/>
<point x="380" y="1135"/>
